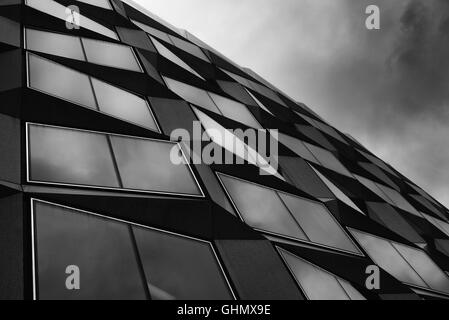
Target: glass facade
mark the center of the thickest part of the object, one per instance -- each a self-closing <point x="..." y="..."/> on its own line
<point x="106" y="127"/>
<point x="45" y="75"/>
<point x="111" y="255"/>
<point x="75" y="157"/>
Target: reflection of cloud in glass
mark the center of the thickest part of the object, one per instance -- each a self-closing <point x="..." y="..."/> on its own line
<point x="74" y="157"/>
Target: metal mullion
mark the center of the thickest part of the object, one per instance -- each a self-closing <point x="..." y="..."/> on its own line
<point x="139" y="262"/>
<point x="294" y="219"/>
<point x="114" y="161"/>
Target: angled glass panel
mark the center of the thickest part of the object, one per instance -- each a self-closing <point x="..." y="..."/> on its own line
<point x="124" y="105"/>
<point x="260" y="104"/>
<point x="297" y="146"/>
<point x="315" y="135"/>
<point x="166" y="53"/>
<point x="147" y="165"/>
<point x="54" y="43"/>
<point x="434" y="277"/>
<point x="323" y="127"/>
<point x="59" y="11"/>
<point x="337" y="192"/>
<point x="191" y="94"/>
<point x="377" y="172"/>
<point x="304" y="178"/>
<point x="45" y="75"/>
<point x="101" y="248"/>
<point x="328" y="160"/>
<point x="179" y="268"/>
<point x="318" y="223"/>
<point x="374" y="188"/>
<point x="390" y="218"/>
<point x="154" y="32"/>
<point x="227" y="140"/>
<point x="443" y="226"/>
<point x="426" y="203"/>
<point x="388" y="258"/>
<point x="261" y="208"/>
<point x="189" y="47"/>
<point x="398" y="199"/>
<point x="378" y="162"/>
<point x="99" y="3"/>
<point x="318" y="284"/>
<point x="256" y="87"/>
<point x="110" y="54"/>
<point x="235" y="110"/>
<point x="70" y="157"/>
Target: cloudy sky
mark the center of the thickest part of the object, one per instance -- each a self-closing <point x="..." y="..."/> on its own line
<point x="389" y="88"/>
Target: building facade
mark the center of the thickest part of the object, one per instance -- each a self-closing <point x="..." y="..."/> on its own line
<point x="109" y="121"/>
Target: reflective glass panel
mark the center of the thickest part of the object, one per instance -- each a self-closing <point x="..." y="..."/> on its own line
<point x="327" y="159"/>
<point x="179" y="268"/>
<point x="55" y="44"/>
<point x="317" y="283"/>
<point x="193" y="95"/>
<point x="189" y="47"/>
<point x="70" y="157"/>
<point x="297" y="146"/>
<point x="227" y="140"/>
<point x="154" y="32"/>
<point x="262" y="208"/>
<point x="235" y="110"/>
<point x="147" y="165"/>
<point x="62" y="12"/>
<point x="45" y="75"/>
<point x="318" y="223"/>
<point x="337" y="192"/>
<point x="388" y="258"/>
<point x="167" y="54"/>
<point x="124" y="105"/>
<point x="100" y="248"/>
<point x="427" y="269"/>
<point x="398" y="199"/>
<point x="110" y="54"/>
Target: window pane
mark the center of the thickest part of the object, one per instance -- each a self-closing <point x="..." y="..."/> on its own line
<point x="231" y="143"/>
<point x="189" y="47"/>
<point x="123" y="105"/>
<point x="191" y="94"/>
<point x="327" y="159"/>
<point x="398" y="199"/>
<point x="316" y="283"/>
<point x="46" y="76"/>
<point x="167" y="54"/>
<point x="374" y="188"/>
<point x="387" y="257"/>
<point x="146" y="165"/>
<point x="425" y="267"/>
<point x="70" y="157"/>
<point x="110" y="54"/>
<point x="180" y="268"/>
<point x="318" y="224"/>
<point x="297" y="146"/>
<point x="55" y="44"/>
<point x="385" y="214"/>
<point x="99" y="3"/>
<point x="262" y="208"/>
<point x="154" y="32"/>
<point x="59" y="11"/>
<point x="337" y="192"/>
<point x="235" y="111"/>
<point x="100" y="248"/>
<point x="378" y="173"/>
